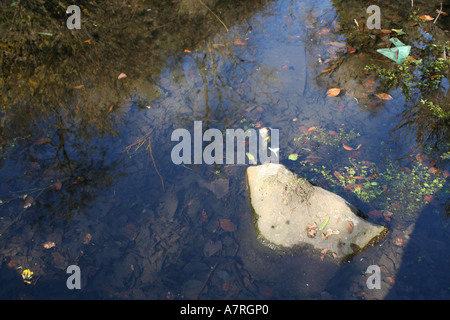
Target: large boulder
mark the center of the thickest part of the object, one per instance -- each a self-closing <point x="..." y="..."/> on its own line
<point x="290" y="212"/>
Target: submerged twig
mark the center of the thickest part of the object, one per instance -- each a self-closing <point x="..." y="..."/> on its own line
<point x="214" y="14"/>
<point x="439" y="13"/>
<point x="149" y="147"/>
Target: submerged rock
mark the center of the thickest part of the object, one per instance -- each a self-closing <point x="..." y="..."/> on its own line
<point x="291" y="212"/>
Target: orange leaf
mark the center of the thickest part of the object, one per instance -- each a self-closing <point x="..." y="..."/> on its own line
<point x="121" y="76"/>
<point x="227" y="225"/>
<point x="311" y="129"/>
<point x="346" y="147"/>
<point x="187" y="50"/>
<point x="333" y="92"/>
<point x="79" y="87"/>
<point x="191" y="202"/>
<point x="239" y="42"/>
<point x="326" y="70"/>
<point x="384" y="96"/>
<point x="426" y="17"/>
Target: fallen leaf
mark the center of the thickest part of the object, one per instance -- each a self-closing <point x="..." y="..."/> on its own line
<point x="121" y="76"/>
<point x="42" y="141"/>
<point x="369" y="83"/>
<point x="327" y="70"/>
<point x="48" y="245"/>
<point x="353" y="187"/>
<point x="333" y="92"/>
<point x="375" y="214"/>
<point x="441" y="12"/>
<point x="190" y="202"/>
<point x="293" y="157"/>
<point x="187" y="50"/>
<point x="87" y="41"/>
<point x="295" y="119"/>
<point x="204" y="217"/>
<point x="333" y="133"/>
<point x="426" y="17"/>
<point x="57" y="185"/>
<point x="227" y="225"/>
<point x="346" y="147"/>
<point x="329" y="233"/>
<point x="323" y="253"/>
<point x="349" y="225"/>
<point x="384" y="96"/>
<point x="303" y="129"/>
<point x="433" y="170"/>
<point x="79" y="87"/>
<point x="338" y="175"/>
<point x="260" y="109"/>
<point x="28" y="202"/>
<point x="429" y="198"/>
<point x="239" y="42"/>
<point x="390" y="280"/>
<point x="258" y="124"/>
<point x="87" y="238"/>
<point x="398" y="242"/>
<point x="311" y="129"/>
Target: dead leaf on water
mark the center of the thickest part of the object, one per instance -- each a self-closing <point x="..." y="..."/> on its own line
<point x="48" y="245"/>
<point x="346" y="147"/>
<point x="121" y="76"/>
<point x="239" y="42"/>
<point x="426" y="17"/>
<point x="79" y="87"/>
<point x="87" y="238"/>
<point x="227" y="225"/>
<point x="384" y="96"/>
<point x="333" y="92"/>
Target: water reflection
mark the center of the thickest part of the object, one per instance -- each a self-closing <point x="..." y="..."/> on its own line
<point x="93" y="150"/>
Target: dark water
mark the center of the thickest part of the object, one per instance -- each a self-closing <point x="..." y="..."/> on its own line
<point x="109" y="197"/>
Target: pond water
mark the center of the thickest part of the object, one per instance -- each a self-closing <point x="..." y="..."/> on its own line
<point x="98" y="187"/>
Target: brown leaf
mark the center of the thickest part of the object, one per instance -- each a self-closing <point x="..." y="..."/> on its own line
<point x="204" y="217"/>
<point x="338" y="175"/>
<point x="48" y="245"/>
<point x="121" y="76"/>
<point x="349" y="225"/>
<point x="326" y="70"/>
<point x="346" y="147"/>
<point x="28" y="202"/>
<point x="79" y="87"/>
<point x="323" y="253"/>
<point x="227" y="225"/>
<point x="384" y="96"/>
<point x="260" y="109"/>
<point x="42" y="141"/>
<point x="57" y="185"/>
<point x="426" y="17"/>
<point x="239" y="42"/>
<point x="333" y="92"/>
<point x="87" y="238"/>
<point x="398" y="242"/>
<point x="353" y="187"/>
<point x="375" y="214"/>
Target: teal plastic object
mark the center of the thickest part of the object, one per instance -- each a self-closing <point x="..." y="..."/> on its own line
<point x="399" y="53"/>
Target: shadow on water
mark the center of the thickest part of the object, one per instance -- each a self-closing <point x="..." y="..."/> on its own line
<point x="86" y="157"/>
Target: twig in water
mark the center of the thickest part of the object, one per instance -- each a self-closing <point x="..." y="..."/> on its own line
<point x="439" y="13"/>
<point x="149" y="147"/>
<point x="214" y="14"/>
